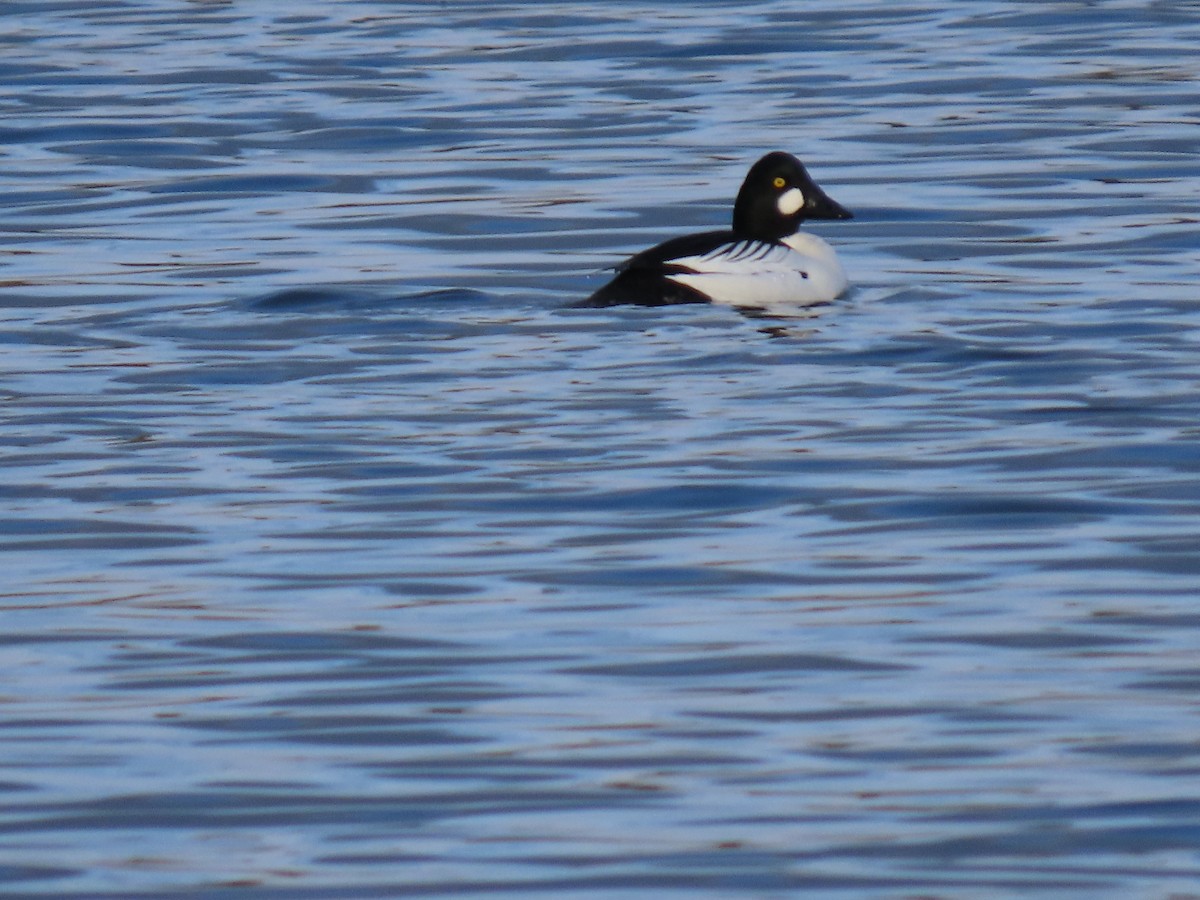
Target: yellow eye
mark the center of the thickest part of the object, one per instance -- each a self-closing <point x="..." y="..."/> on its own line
<point x="780" y="181"/>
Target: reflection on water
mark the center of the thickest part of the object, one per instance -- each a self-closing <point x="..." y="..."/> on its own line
<point x="342" y="558"/>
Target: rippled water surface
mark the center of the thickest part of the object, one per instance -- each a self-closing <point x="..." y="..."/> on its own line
<point x="341" y="558"/>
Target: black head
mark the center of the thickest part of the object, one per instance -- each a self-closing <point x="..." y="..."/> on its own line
<point x="777" y="196"/>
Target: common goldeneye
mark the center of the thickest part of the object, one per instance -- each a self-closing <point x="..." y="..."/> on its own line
<point x="763" y="262"/>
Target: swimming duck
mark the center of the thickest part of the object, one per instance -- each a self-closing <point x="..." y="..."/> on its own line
<point x="763" y="262"/>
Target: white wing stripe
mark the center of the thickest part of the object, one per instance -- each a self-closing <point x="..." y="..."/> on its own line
<point x="739" y="250"/>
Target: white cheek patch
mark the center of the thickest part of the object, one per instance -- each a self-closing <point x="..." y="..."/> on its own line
<point x="790" y="201"/>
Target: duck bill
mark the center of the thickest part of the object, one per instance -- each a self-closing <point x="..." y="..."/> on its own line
<point x="821" y="206"/>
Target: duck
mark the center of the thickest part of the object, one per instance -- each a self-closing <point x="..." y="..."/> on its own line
<point x="764" y="262"/>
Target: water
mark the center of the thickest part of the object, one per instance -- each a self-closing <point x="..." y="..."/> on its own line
<point x="342" y="559"/>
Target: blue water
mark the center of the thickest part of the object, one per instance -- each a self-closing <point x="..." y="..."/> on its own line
<point x="342" y="559"/>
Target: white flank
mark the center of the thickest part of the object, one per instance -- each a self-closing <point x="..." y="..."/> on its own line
<point x="766" y="276"/>
<point x="790" y="201"/>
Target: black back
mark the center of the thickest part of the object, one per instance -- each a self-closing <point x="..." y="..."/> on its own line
<point x="640" y="278"/>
